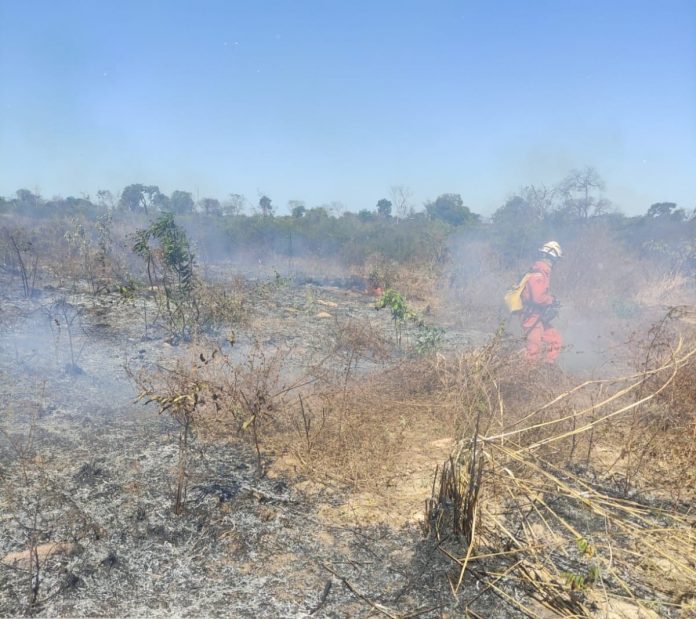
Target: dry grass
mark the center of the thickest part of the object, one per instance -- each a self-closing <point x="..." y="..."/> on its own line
<point x="564" y="533"/>
<point x="536" y="497"/>
<point x="222" y="306"/>
<point x="356" y="430"/>
<point x="661" y="289"/>
<point x="658" y="447"/>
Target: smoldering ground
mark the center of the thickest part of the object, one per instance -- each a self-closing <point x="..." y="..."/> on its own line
<point x="334" y="526"/>
<point x="85" y="468"/>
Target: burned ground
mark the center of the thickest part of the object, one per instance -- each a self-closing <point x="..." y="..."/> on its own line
<point x="85" y="465"/>
<point x="88" y="473"/>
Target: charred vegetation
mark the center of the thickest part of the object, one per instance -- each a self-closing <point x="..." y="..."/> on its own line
<point x="259" y="415"/>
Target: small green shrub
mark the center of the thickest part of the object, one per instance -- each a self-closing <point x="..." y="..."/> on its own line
<point x="165" y="248"/>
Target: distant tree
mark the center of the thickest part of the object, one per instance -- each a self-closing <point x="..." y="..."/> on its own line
<point x="517" y="226"/>
<point x="666" y="210"/>
<point x="73" y="203"/>
<point x="515" y="212"/>
<point x="160" y="202"/>
<point x="401" y="199"/>
<point x="181" y="202"/>
<point x="265" y="206"/>
<point x="151" y="197"/>
<point x="334" y="208"/>
<point x="131" y="197"/>
<point x="106" y="199"/>
<point x="384" y="208"/>
<point x="316" y="213"/>
<point x="297" y="208"/>
<point x="26" y="198"/>
<point x="139" y="197"/>
<point x="365" y="215"/>
<point x="580" y="193"/>
<point x="449" y="207"/>
<point x="234" y="205"/>
<point x="211" y="206"/>
<point x="539" y="199"/>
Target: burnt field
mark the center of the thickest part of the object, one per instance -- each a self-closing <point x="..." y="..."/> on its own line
<point x="293" y="438"/>
<point x="343" y="310"/>
<point x="89" y="474"/>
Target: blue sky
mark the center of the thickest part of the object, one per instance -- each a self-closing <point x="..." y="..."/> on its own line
<point x="328" y="101"/>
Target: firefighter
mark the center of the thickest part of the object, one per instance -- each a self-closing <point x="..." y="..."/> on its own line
<point x="540" y="307"/>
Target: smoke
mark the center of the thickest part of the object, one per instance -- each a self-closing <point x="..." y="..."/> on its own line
<point x="56" y="354"/>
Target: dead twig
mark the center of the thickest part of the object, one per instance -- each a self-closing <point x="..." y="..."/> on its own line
<point x="378" y="607"/>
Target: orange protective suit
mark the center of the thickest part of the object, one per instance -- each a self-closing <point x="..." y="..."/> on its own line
<point x="539" y="333"/>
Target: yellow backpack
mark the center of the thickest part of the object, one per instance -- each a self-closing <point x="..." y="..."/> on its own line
<point x="513" y="297"/>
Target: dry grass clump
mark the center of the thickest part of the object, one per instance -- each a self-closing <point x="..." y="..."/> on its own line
<point x="347" y="416"/>
<point x="209" y="396"/>
<point x="419" y="282"/>
<point x="514" y="510"/>
<point x="416" y="280"/>
<point x="658" y="439"/>
<point x="333" y="422"/>
<point x="84" y="255"/>
<point x="352" y="342"/>
<point x="575" y="548"/>
<point x="666" y="288"/>
<point x="358" y="431"/>
<point x="222" y="306"/>
<point x="354" y="436"/>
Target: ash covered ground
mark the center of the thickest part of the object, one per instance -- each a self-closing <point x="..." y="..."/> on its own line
<point x="88" y="473"/>
<point x="87" y="479"/>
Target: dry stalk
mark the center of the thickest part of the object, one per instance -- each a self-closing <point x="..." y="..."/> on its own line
<point x="556" y="534"/>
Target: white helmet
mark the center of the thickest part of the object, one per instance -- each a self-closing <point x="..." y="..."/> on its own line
<point x="552" y="249"/>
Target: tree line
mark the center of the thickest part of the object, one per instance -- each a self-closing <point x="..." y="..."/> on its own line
<point x="578" y="196"/>
<point x="393" y="226"/>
